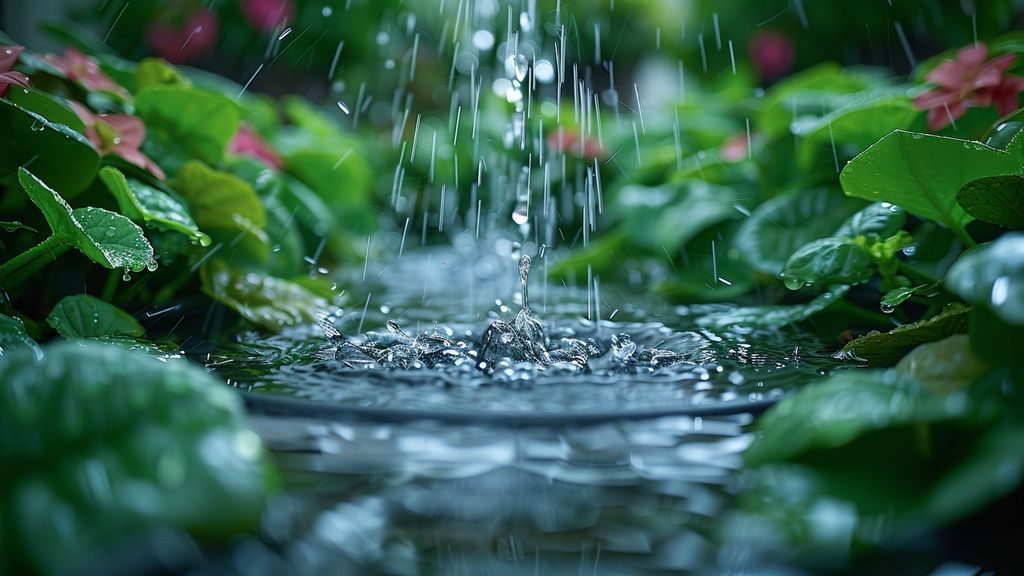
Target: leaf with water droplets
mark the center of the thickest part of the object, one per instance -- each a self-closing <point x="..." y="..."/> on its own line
<point x="897" y="296"/>
<point x="14" y="337"/>
<point x="923" y="173"/>
<point x="140" y="201"/>
<point x="781" y="225"/>
<point x="828" y="261"/>
<point x="886" y="348"/>
<point x="99" y="445"/>
<point x="107" y="238"/>
<point x="56" y="152"/>
<point x="771" y="316"/>
<point x="84" y="316"/>
<point x="880" y="218"/>
<point x="273" y="303"/>
<point x="997" y="200"/>
<point x="993" y="276"/>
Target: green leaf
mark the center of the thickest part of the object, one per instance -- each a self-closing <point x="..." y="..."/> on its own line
<point x="829" y="261"/>
<point x="14" y="226"/>
<point x="943" y="365"/>
<point x="98" y="445"/>
<point x="669" y="216"/>
<point x="107" y="238"/>
<point x="54" y="151"/>
<point x="193" y="122"/>
<point x="993" y="276"/>
<point x="997" y="200"/>
<point x="84" y="316"/>
<point x="830" y="414"/>
<point x="771" y="316"/>
<point x="157" y="72"/>
<point x="880" y="218"/>
<point x="140" y="201"/>
<point x="218" y="199"/>
<point x="781" y="225"/>
<point x="859" y="123"/>
<point x="886" y="348"/>
<point x="897" y="296"/>
<point x="47" y="106"/>
<point x="922" y="173"/>
<point x="13" y="337"/>
<point x="269" y="302"/>
<point x="994" y="340"/>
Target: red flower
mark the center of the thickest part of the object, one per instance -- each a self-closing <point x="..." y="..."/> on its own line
<point x="569" y="140"/>
<point x="772" y="54"/>
<point x="8" y="57"/>
<point x="266" y="15"/>
<point x="118" y="134"/>
<point x="247" y="142"/>
<point x="969" y="81"/>
<point x="187" y="43"/>
<point x="83" y="71"/>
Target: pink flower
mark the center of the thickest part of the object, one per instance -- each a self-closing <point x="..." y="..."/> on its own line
<point x="736" y="148"/>
<point x="569" y="140"/>
<point x="8" y="57"/>
<point x="187" y="43"/>
<point x="265" y="15"/>
<point x="247" y="142"/>
<point x="118" y="134"/>
<point x="772" y="54"/>
<point x="83" y="71"/>
<point x="969" y="81"/>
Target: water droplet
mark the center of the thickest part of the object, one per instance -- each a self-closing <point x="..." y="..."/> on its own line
<point x="126" y="276"/>
<point x="152" y="266"/>
<point x="483" y="39"/>
<point x="38" y="126"/>
<point x="327" y="11"/>
<point x="887" y="308"/>
<point x="516" y="66"/>
<point x="284" y="33"/>
<point x="110" y="232"/>
<point x="793" y="283"/>
<point x="343" y="106"/>
<point x="521" y="214"/>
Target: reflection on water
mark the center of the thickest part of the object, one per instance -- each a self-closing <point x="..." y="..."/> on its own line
<point x="620" y="465"/>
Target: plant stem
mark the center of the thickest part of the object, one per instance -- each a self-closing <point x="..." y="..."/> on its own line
<point x="111" y="285"/>
<point x="51" y="246"/>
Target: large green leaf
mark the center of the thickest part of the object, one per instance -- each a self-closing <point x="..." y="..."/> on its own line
<point x="98" y="444"/>
<point x="270" y="302"/>
<point x="84" y="316"/>
<point x="47" y="106"/>
<point x="140" y="201"/>
<point x="943" y="365"/>
<point x="830" y="414"/>
<point x="54" y="151"/>
<point x="923" y="173"/>
<point x="218" y="199"/>
<point x="829" y="261"/>
<point x="993" y="276"/>
<point x="13" y="337"/>
<point x="193" y="122"/>
<point x="858" y="123"/>
<point x="886" y="348"/>
<point x="667" y="217"/>
<point x="775" y="230"/>
<point x="771" y="316"/>
<point x="997" y="200"/>
<point x="107" y="238"/>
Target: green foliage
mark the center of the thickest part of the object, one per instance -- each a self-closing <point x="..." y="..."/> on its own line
<point x="923" y="173"/>
<point x="107" y="238"/>
<point x="84" y="316"/>
<point x="886" y="348"/>
<point x="997" y="200"/>
<point x="142" y="202"/>
<point x="188" y="122"/>
<point x="98" y="444"/>
<point x="14" y="338"/>
<point x="771" y="316"/>
<point x="993" y="277"/>
<point x="272" y="303"/>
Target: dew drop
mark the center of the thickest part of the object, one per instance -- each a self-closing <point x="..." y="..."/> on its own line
<point x="793" y="283"/>
<point x="887" y="308"/>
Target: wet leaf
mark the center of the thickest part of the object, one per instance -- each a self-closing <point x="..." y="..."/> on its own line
<point x="218" y="199"/>
<point x="107" y="238"/>
<point x="56" y="152"/>
<point x="880" y="218"/>
<point x="84" y="316"/>
<point x="886" y="348"/>
<point x="157" y="72"/>
<point x="897" y="296"/>
<point x="922" y="173"/>
<point x="830" y="414"/>
<point x="142" y="202"/>
<point x="193" y="122"/>
<point x="270" y="302"/>
<point x="828" y="261"/>
<point x="860" y="123"/>
<point x="13" y="337"/>
<point x="667" y="217"/>
<point x="778" y="227"/>
<point x="771" y="316"/>
<point x="993" y="276"/>
<point x="46" y="106"/>
<point x="98" y="444"/>
<point x="997" y="200"/>
<point x="943" y="365"/>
